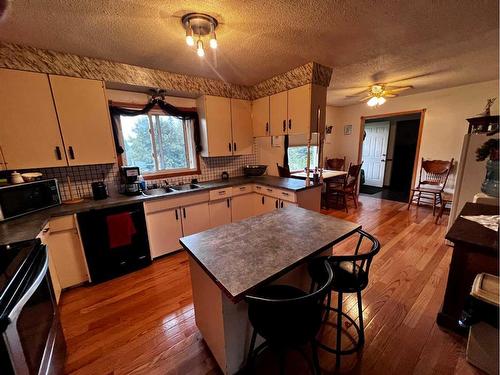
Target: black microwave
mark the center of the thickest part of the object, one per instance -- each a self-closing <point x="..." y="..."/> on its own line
<point x="18" y="200"/>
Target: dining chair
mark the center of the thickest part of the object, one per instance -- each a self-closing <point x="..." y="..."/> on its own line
<point x="348" y="188"/>
<point x="336" y="164"/>
<point x="431" y="183"/>
<point x="287" y="318"/>
<point x="283" y="171"/>
<point x="350" y="275"/>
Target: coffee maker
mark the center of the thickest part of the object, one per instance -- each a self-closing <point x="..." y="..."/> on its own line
<point x="129" y="182"/>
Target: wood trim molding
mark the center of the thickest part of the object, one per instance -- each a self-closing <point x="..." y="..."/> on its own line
<point x="394" y="114"/>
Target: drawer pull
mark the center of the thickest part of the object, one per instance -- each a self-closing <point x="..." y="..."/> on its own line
<point x="223" y="192"/>
<point x="243" y="188"/>
<point x="269" y="190"/>
<point x="285" y="193"/>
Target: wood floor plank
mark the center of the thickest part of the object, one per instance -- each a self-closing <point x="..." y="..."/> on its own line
<point x="143" y="322"/>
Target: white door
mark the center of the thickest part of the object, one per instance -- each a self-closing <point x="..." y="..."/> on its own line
<point x="374" y="152"/>
<point x="164" y="231"/>
<point x="220" y="212"/>
<point x="242" y="207"/>
<point x="195" y="218"/>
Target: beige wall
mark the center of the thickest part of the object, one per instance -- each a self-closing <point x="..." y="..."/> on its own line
<point x="444" y="126"/>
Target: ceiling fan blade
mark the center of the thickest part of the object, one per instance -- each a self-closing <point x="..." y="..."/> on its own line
<point x="365" y="98"/>
<point x="390" y="95"/>
<point x="397" y="89"/>
<point x="358" y="93"/>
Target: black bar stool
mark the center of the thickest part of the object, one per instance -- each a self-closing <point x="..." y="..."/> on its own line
<point x="350" y="275"/>
<point x="287" y="318"/>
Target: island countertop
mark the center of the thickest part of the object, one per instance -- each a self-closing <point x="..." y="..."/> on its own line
<point x="241" y="256"/>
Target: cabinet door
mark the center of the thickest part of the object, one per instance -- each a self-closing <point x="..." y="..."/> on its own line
<point x="318" y="108"/>
<point x="283" y="204"/>
<point x="278" y="113"/>
<point x="215" y="124"/>
<point x="56" y="285"/>
<point x="299" y="110"/>
<point x="164" y="231"/>
<point x="195" y="218"/>
<point x="220" y="212"/>
<point x="264" y="204"/>
<point x="67" y="256"/>
<point x="260" y="117"/>
<point x="243" y="207"/>
<point x="83" y="114"/>
<point x="29" y="131"/>
<point x="241" y="123"/>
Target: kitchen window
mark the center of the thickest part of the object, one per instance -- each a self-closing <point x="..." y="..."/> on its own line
<point x="158" y="143"/>
<point x="297" y="157"/>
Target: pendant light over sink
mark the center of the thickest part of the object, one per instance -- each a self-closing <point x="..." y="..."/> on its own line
<point x="197" y="26"/>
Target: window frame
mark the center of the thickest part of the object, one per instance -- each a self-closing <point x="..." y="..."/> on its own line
<point x="164" y="173"/>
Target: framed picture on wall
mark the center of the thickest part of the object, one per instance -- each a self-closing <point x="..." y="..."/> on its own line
<point x="347" y="129"/>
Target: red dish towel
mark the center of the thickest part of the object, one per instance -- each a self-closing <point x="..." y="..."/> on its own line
<point x="121" y="229"/>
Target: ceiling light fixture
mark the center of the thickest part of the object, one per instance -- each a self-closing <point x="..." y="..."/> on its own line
<point x="200" y="25"/>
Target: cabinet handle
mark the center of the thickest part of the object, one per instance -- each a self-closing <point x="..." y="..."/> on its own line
<point x="289" y="123"/>
<point x="269" y="190"/>
<point x="184" y="212"/>
<point x="58" y="153"/>
<point x="230" y="146"/>
<point x="71" y="152"/>
<point x="267" y="127"/>
<point x="262" y="200"/>
<point x="234" y="146"/>
<point x="281" y="204"/>
<point x="276" y="203"/>
<point x="176" y="215"/>
<point x="228" y="202"/>
<point x="284" y="125"/>
<point x="284" y="193"/>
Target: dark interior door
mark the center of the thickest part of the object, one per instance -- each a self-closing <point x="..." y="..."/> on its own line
<point x="404" y="155"/>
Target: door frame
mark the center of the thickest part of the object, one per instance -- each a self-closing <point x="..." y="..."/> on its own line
<point x="394" y="114"/>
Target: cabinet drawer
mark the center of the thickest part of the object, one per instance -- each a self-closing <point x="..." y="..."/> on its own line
<point x="286" y="195"/>
<point x="243" y="189"/>
<point x="61" y="223"/>
<point x="220" y="193"/>
<point x="262" y="189"/>
<point x="167" y="203"/>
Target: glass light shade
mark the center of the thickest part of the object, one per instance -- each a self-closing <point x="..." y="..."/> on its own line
<point x="380" y="100"/>
<point x="189" y="40"/>
<point x="199" y="48"/>
<point x="372" y="102"/>
<point x="213" y="43"/>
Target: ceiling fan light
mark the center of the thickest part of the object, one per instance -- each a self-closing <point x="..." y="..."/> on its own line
<point x="213" y="38"/>
<point x="373" y="101"/>
<point x="199" y="48"/>
<point x="381" y="100"/>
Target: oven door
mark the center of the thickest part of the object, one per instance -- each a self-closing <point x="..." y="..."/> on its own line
<point x="34" y="326"/>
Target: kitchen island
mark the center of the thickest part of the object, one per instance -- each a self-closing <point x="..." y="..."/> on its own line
<point x="230" y="261"/>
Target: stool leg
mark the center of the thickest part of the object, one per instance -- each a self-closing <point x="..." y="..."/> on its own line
<point x="339" y="330"/>
<point x="360" y="315"/>
<point x="328" y="305"/>
<point x="250" y="351"/>
<point x="411" y="199"/>
<point x="316" y="366"/>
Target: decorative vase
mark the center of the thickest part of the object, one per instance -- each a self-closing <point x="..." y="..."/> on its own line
<point x="490" y="183"/>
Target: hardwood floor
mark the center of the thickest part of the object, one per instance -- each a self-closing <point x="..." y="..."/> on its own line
<point x="143" y="323"/>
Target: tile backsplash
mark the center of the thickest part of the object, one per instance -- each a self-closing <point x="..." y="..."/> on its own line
<point x="82" y="176"/>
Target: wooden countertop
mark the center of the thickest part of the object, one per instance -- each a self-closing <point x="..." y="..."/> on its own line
<point x="471" y="233"/>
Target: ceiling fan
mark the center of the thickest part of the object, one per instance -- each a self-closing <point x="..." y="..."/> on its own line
<point x="376" y="94"/>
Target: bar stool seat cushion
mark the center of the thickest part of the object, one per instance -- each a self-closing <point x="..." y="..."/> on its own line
<point x="347" y="277"/>
<point x="274" y="323"/>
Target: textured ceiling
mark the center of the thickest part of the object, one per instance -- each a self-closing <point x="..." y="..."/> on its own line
<point x="438" y="43"/>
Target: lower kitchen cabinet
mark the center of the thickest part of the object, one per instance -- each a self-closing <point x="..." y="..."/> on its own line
<point x="283" y="204"/>
<point x="220" y="212"/>
<point x="243" y="206"/>
<point x="66" y="252"/>
<point x="164" y="231"/>
<point x="264" y="204"/>
<point x="195" y="218"/>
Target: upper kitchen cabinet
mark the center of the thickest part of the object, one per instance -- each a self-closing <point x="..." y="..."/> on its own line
<point x="278" y="113"/>
<point x="222" y="132"/>
<point x="260" y="117"/>
<point x="84" y="120"/>
<point x="29" y="132"/>
<point x="241" y="125"/>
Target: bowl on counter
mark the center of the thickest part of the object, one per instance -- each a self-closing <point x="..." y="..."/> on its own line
<point x="254" y="170"/>
<point x="31" y="176"/>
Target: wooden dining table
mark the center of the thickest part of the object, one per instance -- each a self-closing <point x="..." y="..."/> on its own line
<point x="327" y="174"/>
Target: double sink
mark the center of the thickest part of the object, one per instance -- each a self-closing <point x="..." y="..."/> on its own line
<point x="170" y="189"/>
